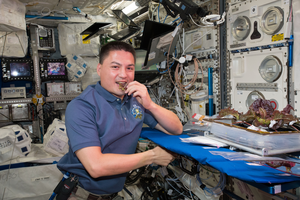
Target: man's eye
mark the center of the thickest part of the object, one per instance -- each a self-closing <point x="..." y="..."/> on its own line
<point x="115" y="66"/>
<point x="130" y="68"/>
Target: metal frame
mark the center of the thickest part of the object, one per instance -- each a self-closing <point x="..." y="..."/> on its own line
<point x="224" y="75"/>
<point x="262" y="152"/>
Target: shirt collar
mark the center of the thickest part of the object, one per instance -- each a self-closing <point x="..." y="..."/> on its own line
<point x="107" y="95"/>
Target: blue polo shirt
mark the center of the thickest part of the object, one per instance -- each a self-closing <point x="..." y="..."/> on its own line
<point x="98" y="118"/>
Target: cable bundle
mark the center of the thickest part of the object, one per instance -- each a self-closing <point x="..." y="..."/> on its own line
<point x="214" y="191"/>
<point x="210" y="20"/>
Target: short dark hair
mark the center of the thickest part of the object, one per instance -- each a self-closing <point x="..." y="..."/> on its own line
<point x="115" y="46"/>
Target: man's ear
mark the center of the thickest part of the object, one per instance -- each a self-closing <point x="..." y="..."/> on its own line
<point x="99" y="68"/>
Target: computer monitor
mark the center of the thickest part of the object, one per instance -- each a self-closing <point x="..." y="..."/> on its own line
<point x="150" y="38"/>
<point x="153" y="29"/>
<point x="157" y="54"/>
<point x="14" y="69"/>
<point x="51" y="69"/>
<point x="140" y="56"/>
<point x="143" y="74"/>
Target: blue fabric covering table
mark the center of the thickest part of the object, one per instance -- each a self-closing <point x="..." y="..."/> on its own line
<point x="238" y="169"/>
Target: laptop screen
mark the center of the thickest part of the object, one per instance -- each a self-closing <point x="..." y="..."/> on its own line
<point x="122" y="16"/>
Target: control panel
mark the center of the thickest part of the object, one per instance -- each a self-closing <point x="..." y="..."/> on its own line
<point x="55" y="89"/>
<point x="14" y="69"/>
<point x="13" y="92"/>
<point x="72" y="88"/>
<point x="53" y="69"/>
<point x="45" y="39"/>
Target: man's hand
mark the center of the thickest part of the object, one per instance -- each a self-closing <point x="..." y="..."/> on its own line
<point x="162" y="157"/>
<point x="140" y="92"/>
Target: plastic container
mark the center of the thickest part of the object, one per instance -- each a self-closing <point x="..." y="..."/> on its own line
<point x="270" y="143"/>
<point x="56" y="139"/>
<point x="13" y="139"/>
<point x="76" y="67"/>
<point x="198" y="102"/>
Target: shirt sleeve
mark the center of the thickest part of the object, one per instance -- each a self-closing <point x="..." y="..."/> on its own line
<point x="149" y="119"/>
<point x="81" y="126"/>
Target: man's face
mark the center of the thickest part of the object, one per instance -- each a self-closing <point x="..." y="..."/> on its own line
<point x="118" y="67"/>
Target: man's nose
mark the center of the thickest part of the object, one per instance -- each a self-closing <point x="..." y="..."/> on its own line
<point x="122" y="72"/>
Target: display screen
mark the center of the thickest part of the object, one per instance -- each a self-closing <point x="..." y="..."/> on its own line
<point x="56" y="68"/>
<point x="139" y="63"/>
<point x="20" y="69"/>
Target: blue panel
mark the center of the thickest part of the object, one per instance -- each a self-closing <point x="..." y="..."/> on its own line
<point x="237" y="169"/>
<point x="183" y="7"/>
<point x="24" y="149"/>
<point x="20" y="138"/>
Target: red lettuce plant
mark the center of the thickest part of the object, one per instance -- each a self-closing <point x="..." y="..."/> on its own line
<point x="261" y="113"/>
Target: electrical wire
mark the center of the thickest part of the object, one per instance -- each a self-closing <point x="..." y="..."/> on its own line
<point x="211" y="191"/>
<point x="190" y="189"/>
<point x="180" y="193"/>
<point x="290" y="15"/>
<point x="162" y="72"/>
<point x="177" y="83"/>
<point x="175" y="20"/>
<point x="183" y="88"/>
<point x="165" y="19"/>
<point x="47" y="13"/>
<point x="217" y="172"/>
<point x="32" y="111"/>
<point x="153" y="12"/>
<point x="42" y="14"/>
<point x="183" y="53"/>
<point x="132" y="178"/>
<point x="180" y="22"/>
<point x="180" y="42"/>
<point x="158" y="12"/>
<point x="206" y="21"/>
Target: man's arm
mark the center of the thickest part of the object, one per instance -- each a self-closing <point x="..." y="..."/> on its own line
<point x="98" y="164"/>
<point x="168" y="121"/>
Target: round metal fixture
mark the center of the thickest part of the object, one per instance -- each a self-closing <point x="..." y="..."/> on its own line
<point x="241" y="28"/>
<point x="270" y="69"/>
<point x="252" y="97"/>
<point x="274" y="104"/>
<point x="272" y="20"/>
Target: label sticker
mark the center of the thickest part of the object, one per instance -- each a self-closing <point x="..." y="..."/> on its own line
<point x="151" y="56"/>
<point x="57" y="144"/>
<point x="40" y="178"/>
<point x="87" y="41"/>
<point x="278" y="37"/>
